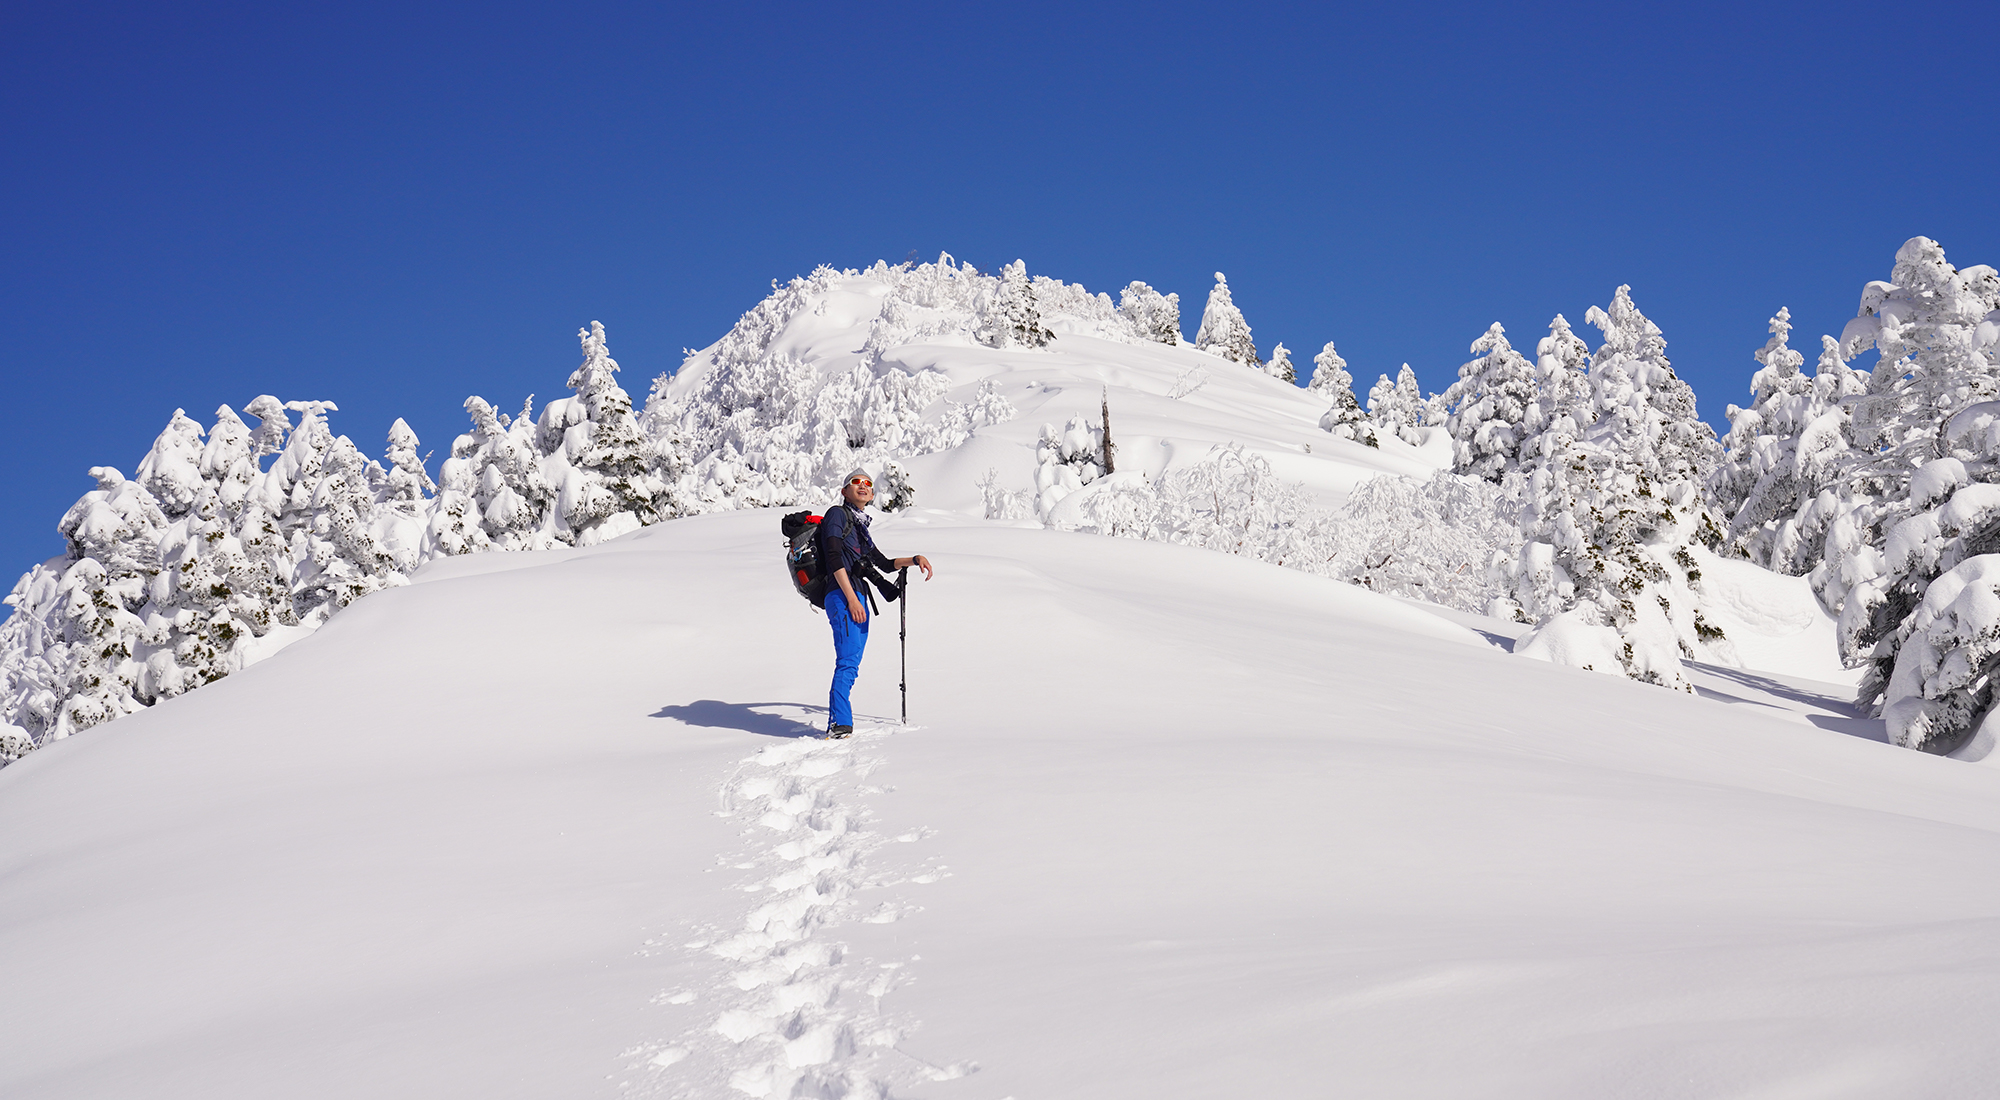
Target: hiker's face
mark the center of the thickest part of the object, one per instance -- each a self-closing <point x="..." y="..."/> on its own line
<point x="859" y="492"/>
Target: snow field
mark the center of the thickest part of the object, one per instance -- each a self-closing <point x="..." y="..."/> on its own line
<point x="1191" y="825"/>
<point x="792" y="1014"/>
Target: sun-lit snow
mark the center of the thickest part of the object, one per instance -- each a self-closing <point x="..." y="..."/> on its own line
<point x="1166" y="823"/>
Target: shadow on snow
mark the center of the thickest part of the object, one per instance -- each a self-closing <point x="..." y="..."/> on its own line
<point x="717" y="714"/>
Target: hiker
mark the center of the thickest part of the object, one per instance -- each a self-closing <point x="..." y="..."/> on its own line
<point x="848" y="555"/>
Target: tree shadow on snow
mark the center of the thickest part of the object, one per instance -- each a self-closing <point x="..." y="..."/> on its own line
<point x="717" y="714"/>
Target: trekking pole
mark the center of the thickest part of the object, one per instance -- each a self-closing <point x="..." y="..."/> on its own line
<point x="903" y="637"/>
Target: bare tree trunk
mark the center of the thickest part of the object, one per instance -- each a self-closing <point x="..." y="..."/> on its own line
<point x="1107" y="451"/>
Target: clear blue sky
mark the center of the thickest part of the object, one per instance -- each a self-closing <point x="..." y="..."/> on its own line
<point x="393" y="207"/>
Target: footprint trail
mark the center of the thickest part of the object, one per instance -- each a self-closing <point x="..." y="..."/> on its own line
<point x="788" y="1013"/>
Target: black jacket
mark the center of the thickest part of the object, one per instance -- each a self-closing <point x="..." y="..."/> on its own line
<point x="844" y="543"/>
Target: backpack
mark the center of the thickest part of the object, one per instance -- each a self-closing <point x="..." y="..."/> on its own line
<point x="801" y="531"/>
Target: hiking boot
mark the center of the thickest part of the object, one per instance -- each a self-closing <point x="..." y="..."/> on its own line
<point x="835" y="733"/>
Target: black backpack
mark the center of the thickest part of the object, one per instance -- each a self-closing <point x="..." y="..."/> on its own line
<point x="801" y="531"/>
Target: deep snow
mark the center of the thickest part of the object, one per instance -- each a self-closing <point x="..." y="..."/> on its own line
<point x="1168" y="823"/>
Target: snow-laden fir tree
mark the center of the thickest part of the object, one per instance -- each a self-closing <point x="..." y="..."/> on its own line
<point x="1011" y="317"/>
<point x="113" y="534"/>
<point x="1223" y="330"/>
<point x="896" y="492"/>
<point x="595" y="456"/>
<point x="1398" y="408"/>
<point x="494" y="491"/>
<point x="1280" y="364"/>
<point x="1908" y="513"/>
<point x="1611" y="517"/>
<point x="1779" y="453"/>
<point x="1344" y="416"/>
<point x="1152" y="315"/>
<point x="1490" y="407"/>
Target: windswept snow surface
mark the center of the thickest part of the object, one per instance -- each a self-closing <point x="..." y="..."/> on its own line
<point x="1167" y="823"/>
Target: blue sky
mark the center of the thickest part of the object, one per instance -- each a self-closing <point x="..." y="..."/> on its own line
<point x="393" y="207"/>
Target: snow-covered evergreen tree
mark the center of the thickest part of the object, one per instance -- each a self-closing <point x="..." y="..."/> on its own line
<point x="1909" y="504"/>
<point x="114" y="535"/>
<point x="1223" y="330"/>
<point x="1490" y="405"/>
<point x="1779" y="452"/>
<point x="1012" y="319"/>
<point x="1344" y="417"/>
<point x="1280" y="365"/>
<point x="1152" y="315"/>
<point x="895" y="491"/>
<point x="1398" y="408"/>
<point x="1611" y="515"/>
<point x="594" y="454"/>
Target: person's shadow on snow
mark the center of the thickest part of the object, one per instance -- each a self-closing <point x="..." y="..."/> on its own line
<point x="741" y="716"/>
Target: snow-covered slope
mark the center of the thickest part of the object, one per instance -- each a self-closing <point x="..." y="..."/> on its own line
<point x="1169" y="404"/>
<point x="1167" y="823"/>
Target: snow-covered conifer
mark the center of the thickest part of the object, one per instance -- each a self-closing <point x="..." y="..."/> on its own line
<point x="591" y="442"/>
<point x="171" y="471"/>
<point x="114" y="534"/>
<point x="229" y="462"/>
<point x="1280" y="365"/>
<point x="895" y="491"/>
<point x="1611" y="516"/>
<point x="1152" y="315"/>
<point x="1909" y="514"/>
<point x="409" y="482"/>
<point x="1012" y="319"/>
<point x="1490" y="405"/>
<point x="1398" y="408"/>
<point x="1331" y="381"/>
<point x="1223" y="330"/>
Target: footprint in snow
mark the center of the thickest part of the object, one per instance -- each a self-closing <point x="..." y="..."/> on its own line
<point x="791" y="1015"/>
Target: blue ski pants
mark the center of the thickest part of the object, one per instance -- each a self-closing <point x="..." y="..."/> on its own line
<point x="849" y="639"/>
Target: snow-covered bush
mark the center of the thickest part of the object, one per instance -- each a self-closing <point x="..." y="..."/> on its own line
<point x="1428" y="540"/>
<point x="1223" y="330"/>
<point x="1066" y="461"/>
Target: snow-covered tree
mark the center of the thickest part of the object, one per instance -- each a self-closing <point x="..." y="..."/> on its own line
<point x="1223" y="330"/>
<point x="896" y="491"/>
<point x="1562" y="362"/>
<point x="1779" y="453"/>
<point x="409" y="482"/>
<point x="114" y="544"/>
<point x="594" y="454"/>
<point x="1912" y="493"/>
<point x="1490" y="405"/>
<point x="1012" y="319"/>
<point x="1611" y="516"/>
<point x="1280" y="365"/>
<point x="496" y="478"/>
<point x="1398" y="408"/>
<point x="1344" y="417"/>
<point x="1152" y="315"/>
